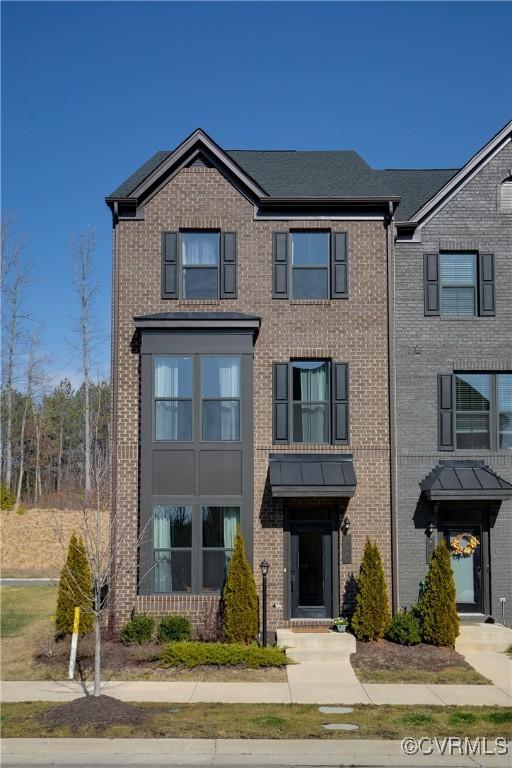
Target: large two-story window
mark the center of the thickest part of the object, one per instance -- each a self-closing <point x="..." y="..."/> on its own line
<point x="184" y="410"/>
<point x="192" y="547"/>
<point x="310" y="402"/>
<point x="483" y="411"/>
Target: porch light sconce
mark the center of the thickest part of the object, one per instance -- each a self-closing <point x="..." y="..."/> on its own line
<point x="430" y="529"/>
<point x="345" y="526"/>
<point x="417" y="349"/>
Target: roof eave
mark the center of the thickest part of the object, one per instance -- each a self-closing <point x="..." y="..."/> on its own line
<point x="495" y="494"/>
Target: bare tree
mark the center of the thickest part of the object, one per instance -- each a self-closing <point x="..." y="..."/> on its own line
<point x="86" y="288"/>
<point x="16" y="277"/>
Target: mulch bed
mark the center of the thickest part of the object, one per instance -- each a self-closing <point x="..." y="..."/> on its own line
<point x="95" y="711"/>
<point x="383" y="654"/>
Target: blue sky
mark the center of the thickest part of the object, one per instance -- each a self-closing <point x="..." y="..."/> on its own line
<point x="91" y="90"/>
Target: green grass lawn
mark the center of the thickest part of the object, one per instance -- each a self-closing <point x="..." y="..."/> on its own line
<point x="446" y="676"/>
<point x="273" y="721"/>
<point x="25" y="625"/>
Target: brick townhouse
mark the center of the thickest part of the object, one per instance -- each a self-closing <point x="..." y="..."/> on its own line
<point x="253" y="371"/>
<point x="453" y="306"/>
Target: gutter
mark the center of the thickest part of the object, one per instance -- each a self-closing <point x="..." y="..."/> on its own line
<point x="113" y="395"/>
<point x="390" y="236"/>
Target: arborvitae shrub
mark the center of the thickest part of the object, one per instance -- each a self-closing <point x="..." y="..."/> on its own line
<point x="138" y="630"/>
<point x="404" y="629"/>
<point x="440" y="623"/>
<point x="370" y="619"/>
<point x="173" y="628"/>
<point x="240" y="598"/>
<point x="7" y="498"/>
<point x="75" y="590"/>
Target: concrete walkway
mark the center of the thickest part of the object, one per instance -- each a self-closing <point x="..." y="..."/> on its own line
<point x="229" y="752"/>
<point x="329" y="687"/>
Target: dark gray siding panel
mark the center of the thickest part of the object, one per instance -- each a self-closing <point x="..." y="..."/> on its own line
<point x="220" y="472"/>
<point x="173" y="472"/>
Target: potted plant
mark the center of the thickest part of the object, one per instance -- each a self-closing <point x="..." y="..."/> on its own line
<point x="340" y="624"/>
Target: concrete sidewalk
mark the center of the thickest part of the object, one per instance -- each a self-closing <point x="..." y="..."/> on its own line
<point x="229" y="752"/>
<point x="325" y="690"/>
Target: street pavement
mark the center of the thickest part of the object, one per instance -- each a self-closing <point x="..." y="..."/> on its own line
<point x="220" y="753"/>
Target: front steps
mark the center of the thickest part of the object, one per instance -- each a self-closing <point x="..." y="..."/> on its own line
<point x="317" y="646"/>
<point x="483" y="637"/>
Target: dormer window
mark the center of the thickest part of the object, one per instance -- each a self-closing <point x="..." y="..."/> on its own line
<point x="506" y="196"/>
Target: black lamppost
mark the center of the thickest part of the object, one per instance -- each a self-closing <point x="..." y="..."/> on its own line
<point x="264" y="566"/>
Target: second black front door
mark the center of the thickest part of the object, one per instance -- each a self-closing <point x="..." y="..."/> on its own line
<point x="311" y="570"/>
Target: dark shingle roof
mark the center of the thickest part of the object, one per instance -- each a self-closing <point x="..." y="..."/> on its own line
<point x="464" y="476"/>
<point x="332" y="473"/>
<point x="320" y="174"/>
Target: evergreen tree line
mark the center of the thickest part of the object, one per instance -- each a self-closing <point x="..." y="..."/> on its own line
<point x="48" y="432"/>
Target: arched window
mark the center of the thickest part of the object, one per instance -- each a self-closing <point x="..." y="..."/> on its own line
<point x="506" y="196"/>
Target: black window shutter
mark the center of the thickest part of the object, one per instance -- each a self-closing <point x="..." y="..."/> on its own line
<point x="339" y="265"/>
<point x="340" y="403"/>
<point x="280" y="265"/>
<point x="169" y="265"/>
<point x="280" y="397"/>
<point x="431" y="283"/>
<point x="486" y="284"/>
<point x="446" y="412"/>
<point x="228" y="266"/>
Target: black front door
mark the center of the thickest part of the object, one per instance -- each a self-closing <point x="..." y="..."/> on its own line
<point x="467" y="566"/>
<point x="311" y="570"/>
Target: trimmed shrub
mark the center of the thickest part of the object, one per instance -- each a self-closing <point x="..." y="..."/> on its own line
<point x="404" y="629"/>
<point x="75" y="590"/>
<point x="193" y="654"/>
<point x="7" y="498"/>
<point x="437" y="606"/>
<point x="172" y="628"/>
<point x="240" y="598"/>
<point x="138" y="630"/>
<point x="370" y="619"/>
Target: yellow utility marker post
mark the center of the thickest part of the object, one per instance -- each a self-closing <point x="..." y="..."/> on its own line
<point x="74" y="644"/>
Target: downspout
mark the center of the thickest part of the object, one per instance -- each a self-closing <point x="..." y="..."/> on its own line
<point x="392" y="403"/>
<point x="113" y="396"/>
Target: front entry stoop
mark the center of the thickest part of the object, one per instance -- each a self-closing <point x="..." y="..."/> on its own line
<point x="317" y="646"/>
<point x="483" y="637"/>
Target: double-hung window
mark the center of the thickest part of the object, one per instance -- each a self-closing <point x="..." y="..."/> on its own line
<point x="199" y="264"/>
<point x="200" y="257"/>
<point x="473" y="404"/>
<point x="310" y="389"/>
<point x="310" y="264"/>
<point x="310" y="402"/>
<point x="458" y="283"/>
<point x="475" y="411"/>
